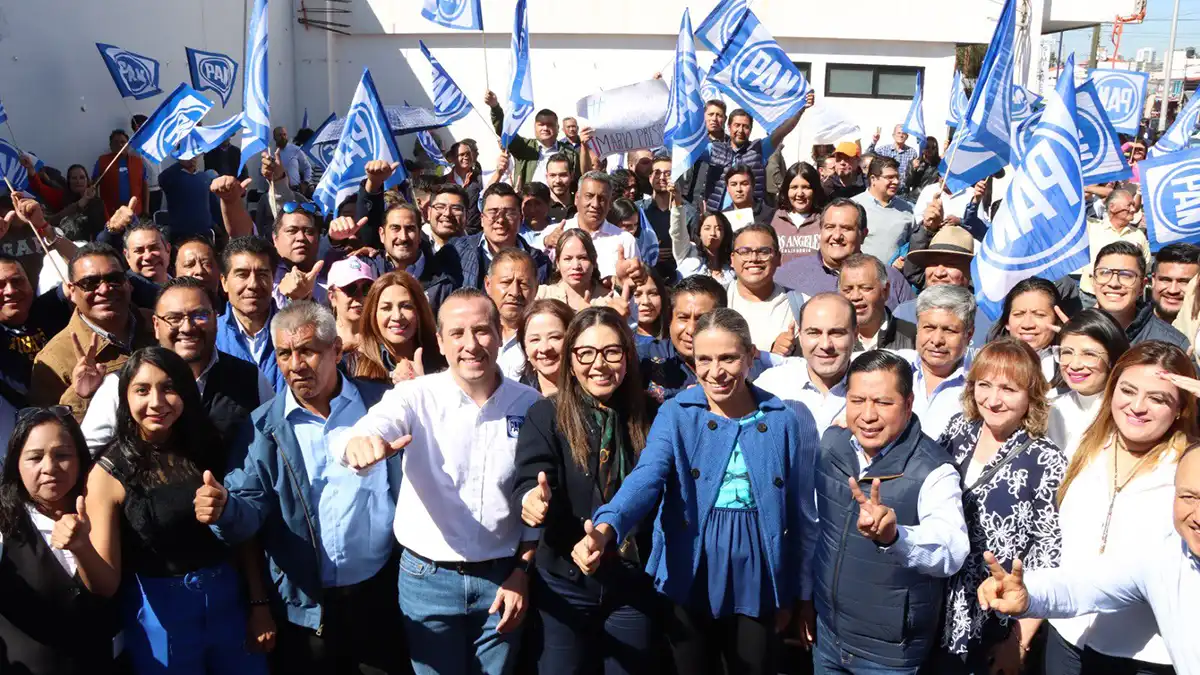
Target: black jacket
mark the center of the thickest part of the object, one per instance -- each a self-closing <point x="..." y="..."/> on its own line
<point x="1146" y="326"/>
<point x="897" y="334"/>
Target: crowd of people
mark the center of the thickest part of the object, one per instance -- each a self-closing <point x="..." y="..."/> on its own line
<point x="552" y="418"/>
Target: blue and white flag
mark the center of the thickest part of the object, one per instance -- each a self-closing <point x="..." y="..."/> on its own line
<point x="718" y="27"/>
<point x="520" y="94"/>
<point x="256" y="101"/>
<point x="1099" y="145"/>
<point x="213" y="72"/>
<point x="365" y="137"/>
<point x="708" y="90"/>
<point x="958" y="102"/>
<point x="684" y="132"/>
<point x="449" y="103"/>
<point x="914" y="121"/>
<point x="1123" y="93"/>
<point x="135" y="75"/>
<point x="203" y="139"/>
<point x="430" y="146"/>
<point x="456" y="14"/>
<point x="3" y="114"/>
<point x="10" y="166"/>
<point x="1024" y="103"/>
<point x="1179" y="136"/>
<point x="1040" y="229"/>
<point x="320" y="154"/>
<point x="170" y="124"/>
<point x="756" y="72"/>
<point x="1171" y="197"/>
<point x="304" y="119"/>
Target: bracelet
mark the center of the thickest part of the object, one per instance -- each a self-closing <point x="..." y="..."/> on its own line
<point x="259" y="603"/>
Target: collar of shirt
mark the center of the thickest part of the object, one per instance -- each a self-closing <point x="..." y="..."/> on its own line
<point x="347" y="394"/>
<point x="806" y="382"/>
<point x="956" y="378"/>
<point x="418" y="268"/>
<point x="871" y="342"/>
<point x="261" y="334"/>
<point x="864" y="462"/>
<point x="203" y="379"/>
<point x="112" y="339"/>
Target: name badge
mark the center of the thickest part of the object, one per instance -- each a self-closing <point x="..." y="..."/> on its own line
<point x="514" y="425"/>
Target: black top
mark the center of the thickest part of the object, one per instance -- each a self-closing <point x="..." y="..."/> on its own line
<point x="160" y="536"/>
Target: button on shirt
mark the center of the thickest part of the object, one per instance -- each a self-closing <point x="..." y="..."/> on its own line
<point x="456" y="499"/>
<point x="354" y="512"/>
<point x="608" y="239"/>
<point x="792" y="382"/>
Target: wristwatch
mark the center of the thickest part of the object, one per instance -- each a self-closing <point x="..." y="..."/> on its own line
<point x="527" y="566"/>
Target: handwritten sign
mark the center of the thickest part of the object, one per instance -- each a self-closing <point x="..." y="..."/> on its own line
<point x="626" y="118"/>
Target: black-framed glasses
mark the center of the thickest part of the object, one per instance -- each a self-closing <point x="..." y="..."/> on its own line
<point x="760" y="253"/>
<point x="510" y="215"/>
<point x="586" y="356"/>
<point x="456" y="209"/>
<point x="92" y="282"/>
<point x="198" y="317"/>
<point x="1124" y="277"/>
<point x="307" y="207"/>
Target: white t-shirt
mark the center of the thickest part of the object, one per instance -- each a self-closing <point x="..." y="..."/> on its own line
<point x="767" y="319"/>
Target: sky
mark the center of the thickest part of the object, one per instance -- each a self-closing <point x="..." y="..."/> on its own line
<point x="1154" y="31"/>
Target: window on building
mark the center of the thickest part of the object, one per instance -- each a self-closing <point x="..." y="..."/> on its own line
<point x="855" y="80"/>
<point x="805" y="69"/>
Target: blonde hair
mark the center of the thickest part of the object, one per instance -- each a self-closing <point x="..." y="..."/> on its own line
<point x="1015" y="360"/>
<point x="1176" y="439"/>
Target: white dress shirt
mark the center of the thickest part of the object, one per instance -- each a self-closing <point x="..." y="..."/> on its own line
<point x="511" y="358"/>
<point x="1161" y="577"/>
<point x="1141" y="517"/>
<point x="1071" y="414"/>
<point x="607" y="240"/>
<point x="456" y="499"/>
<point x="45" y="528"/>
<point x="938" y="545"/>
<point x="297" y="166"/>
<point x="935" y="408"/>
<point x="794" y="383"/>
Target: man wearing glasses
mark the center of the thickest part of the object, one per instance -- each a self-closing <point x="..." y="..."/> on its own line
<point x="1117" y="225"/>
<point x="1120" y="277"/>
<point x="657" y="208"/>
<point x="186" y="323"/>
<point x="104" y="323"/>
<point x="771" y="310"/>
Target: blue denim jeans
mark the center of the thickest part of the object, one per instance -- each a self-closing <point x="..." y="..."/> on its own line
<point x="193" y="624"/>
<point x="446" y="619"/>
<point x="829" y="658"/>
<point x="592" y="628"/>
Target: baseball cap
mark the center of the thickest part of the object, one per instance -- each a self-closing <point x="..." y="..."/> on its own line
<point x="847" y="148"/>
<point x="349" y="270"/>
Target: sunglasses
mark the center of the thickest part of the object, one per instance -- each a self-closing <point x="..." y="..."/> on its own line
<point x="358" y="289"/>
<point x="59" y="411"/>
<point x="91" y="283"/>
<point x="307" y="207"/>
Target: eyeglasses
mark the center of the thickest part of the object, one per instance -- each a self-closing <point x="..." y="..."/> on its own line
<point x="1124" y="277"/>
<point x="586" y="356"/>
<point x="507" y="214"/>
<point x="456" y="209"/>
<point x="91" y="284"/>
<point x="761" y="253"/>
<point x="660" y="174"/>
<point x="1086" y="358"/>
<point x="198" y="317"/>
<point x="307" y="207"/>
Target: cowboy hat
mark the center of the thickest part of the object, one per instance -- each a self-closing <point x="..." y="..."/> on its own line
<point x="949" y="240"/>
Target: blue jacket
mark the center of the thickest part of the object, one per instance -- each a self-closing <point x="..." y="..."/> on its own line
<point x="268" y="488"/>
<point x="460" y="264"/>
<point x="231" y="341"/>
<point x="684" y="462"/>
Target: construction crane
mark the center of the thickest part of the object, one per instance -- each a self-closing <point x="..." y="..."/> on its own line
<point x="1139" y="14"/>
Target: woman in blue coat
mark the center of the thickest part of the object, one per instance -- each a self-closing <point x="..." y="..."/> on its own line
<point x="733" y="540"/>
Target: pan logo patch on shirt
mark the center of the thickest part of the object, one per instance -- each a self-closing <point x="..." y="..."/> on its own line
<point x="514" y="425"/>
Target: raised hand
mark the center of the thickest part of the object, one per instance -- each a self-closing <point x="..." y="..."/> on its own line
<point x="876" y="521"/>
<point x="345" y="227"/>
<point x="550" y="240"/>
<point x="489" y="99"/>
<point x="72" y="530"/>
<point x="619" y="303"/>
<point x="536" y="502"/>
<point x="123" y="217"/>
<point x="272" y="166"/>
<point x="588" y="551"/>
<point x="409" y="370"/>
<point x="786" y="341"/>
<point x="1190" y="385"/>
<point x="87" y="374"/>
<point x="30" y="211"/>
<point x="586" y="134"/>
<point x="875" y="136"/>
<point x="1004" y="592"/>
<point x="298" y="284"/>
<point x="210" y="500"/>
<point x="628" y="270"/>
<point x="934" y="213"/>
<point x="366" y="451"/>
<point x="810" y="99"/>
<point x="378" y="172"/>
<point x="228" y="189"/>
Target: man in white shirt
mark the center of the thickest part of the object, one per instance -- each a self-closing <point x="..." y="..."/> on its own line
<point x="593" y="200"/>
<point x="295" y="163"/>
<point x="881" y="563"/>
<point x="769" y="308"/>
<point x="945" y="317"/>
<point x="463" y="575"/>
<point x="1166" y="577"/>
<point x="512" y="284"/>
<point x="818" y="381"/>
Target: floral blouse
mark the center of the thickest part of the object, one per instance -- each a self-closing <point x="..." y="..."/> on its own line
<point x="1013" y="514"/>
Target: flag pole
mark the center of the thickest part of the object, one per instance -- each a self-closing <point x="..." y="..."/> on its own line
<point x="13" y="191"/>
<point x="114" y="159"/>
<point x="486" y="80"/>
<point x="12" y="134"/>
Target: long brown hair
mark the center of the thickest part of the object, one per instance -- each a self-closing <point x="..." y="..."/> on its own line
<point x="629" y="399"/>
<point x="1182" y="432"/>
<point x="369" y="363"/>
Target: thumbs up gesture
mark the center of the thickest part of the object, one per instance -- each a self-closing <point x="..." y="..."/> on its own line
<point x="71" y="530"/>
<point x="875" y="521"/>
<point x="588" y="551"/>
<point x="378" y="172"/>
<point x="628" y="270"/>
<point x="536" y="502"/>
<point x="1004" y="592"/>
<point x="786" y="341"/>
<point x="210" y="500"/>
<point x="366" y="451"/>
<point x="298" y="284"/>
<point x="228" y="189"/>
<point x="124" y="216"/>
<point x="345" y="227"/>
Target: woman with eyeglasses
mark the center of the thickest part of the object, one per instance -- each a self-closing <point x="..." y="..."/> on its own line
<point x="1087" y="347"/>
<point x="183" y="605"/>
<point x="1031" y="314"/>
<point x="797" y="221"/>
<point x="1117" y="496"/>
<point x="50" y="624"/>
<point x="653" y="307"/>
<point x="399" y="334"/>
<point x="1010" y="478"/>
<point x="573" y="453"/>
<point x="350" y="281"/>
<point x="541" y="335"/>
<point x="578" y="277"/>
<point x="733" y="467"/>
<point x="702" y="246"/>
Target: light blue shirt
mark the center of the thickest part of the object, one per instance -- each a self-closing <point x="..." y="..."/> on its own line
<point x="354" y="512"/>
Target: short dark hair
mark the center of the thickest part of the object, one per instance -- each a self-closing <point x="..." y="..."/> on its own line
<point x="700" y="284"/>
<point x="115" y="132"/>
<point x="451" y="188"/>
<point x="194" y="239"/>
<point x="13" y="260"/>
<point x="536" y="189"/>
<point x="620" y="178"/>
<point x="1098" y="325"/>
<point x="250" y="245"/>
<point x="190" y="283"/>
<point x="1185" y="254"/>
<point x="716" y="102"/>
<point x="878" y="164"/>
<point x="621" y="209"/>
<point x="761" y="228"/>
<point x="544" y="113"/>
<point x="741" y="112"/>
<point x="561" y="158"/>
<point x="842" y="202"/>
<point x="312" y="218"/>
<point x="141" y="226"/>
<point x="137" y="121"/>
<point x="498" y="190"/>
<point x="881" y="359"/>
<point x="1123" y="248"/>
<point x="739" y="169"/>
<point x="511" y="254"/>
<point x="91" y="249"/>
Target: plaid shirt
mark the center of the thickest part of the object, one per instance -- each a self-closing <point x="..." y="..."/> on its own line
<point x="904" y="157"/>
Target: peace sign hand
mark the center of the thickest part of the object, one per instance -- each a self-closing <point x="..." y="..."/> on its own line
<point x="1004" y="592"/>
<point x="298" y="284"/>
<point x="87" y="374"/>
<point x="875" y="521"/>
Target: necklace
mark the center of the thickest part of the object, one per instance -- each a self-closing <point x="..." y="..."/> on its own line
<point x="1116" y="488"/>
